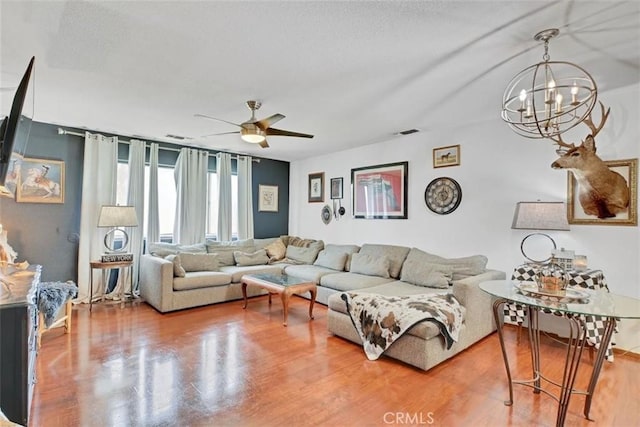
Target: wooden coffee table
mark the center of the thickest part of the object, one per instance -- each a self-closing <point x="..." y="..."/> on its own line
<point x="283" y="285"/>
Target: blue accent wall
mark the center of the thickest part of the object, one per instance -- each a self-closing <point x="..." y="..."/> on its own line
<point x="48" y="234"/>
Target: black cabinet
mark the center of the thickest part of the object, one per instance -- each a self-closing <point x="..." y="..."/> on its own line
<point x="18" y="341"/>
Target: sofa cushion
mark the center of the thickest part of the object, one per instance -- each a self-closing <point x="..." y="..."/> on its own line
<point x="331" y="259"/>
<point x="162" y="249"/>
<point x="298" y="241"/>
<point x="348" y="249"/>
<point x="396" y="255"/>
<point x="276" y="250"/>
<point x="370" y="265"/>
<point x="462" y="267"/>
<point x="418" y="270"/>
<point x="201" y="279"/>
<point x="237" y="272"/>
<point x="178" y="270"/>
<point x="350" y="281"/>
<point x="312" y="273"/>
<point x="226" y="249"/>
<point x="305" y="255"/>
<point x="198" y="262"/>
<point x="258" y="257"/>
<point x="263" y="243"/>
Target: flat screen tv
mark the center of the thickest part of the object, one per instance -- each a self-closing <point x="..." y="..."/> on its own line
<point x="15" y="129"/>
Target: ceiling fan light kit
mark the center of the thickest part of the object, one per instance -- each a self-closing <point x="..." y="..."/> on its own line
<point x="550" y="97"/>
<point x="255" y="131"/>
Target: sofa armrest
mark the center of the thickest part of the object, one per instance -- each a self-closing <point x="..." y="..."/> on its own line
<point x="156" y="281"/>
<point x="478" y="303"/>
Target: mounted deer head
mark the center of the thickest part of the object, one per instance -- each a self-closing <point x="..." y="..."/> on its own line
<point x="602" y="192"/>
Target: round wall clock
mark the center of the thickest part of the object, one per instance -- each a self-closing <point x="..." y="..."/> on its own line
<point x="443" y="195"/>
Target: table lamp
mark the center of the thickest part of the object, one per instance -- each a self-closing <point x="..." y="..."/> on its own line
<point x="539" y="216"/>
<point x="116" y="217"/>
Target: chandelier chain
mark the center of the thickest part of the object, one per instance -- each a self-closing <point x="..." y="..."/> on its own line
<point x="546" y="56"/>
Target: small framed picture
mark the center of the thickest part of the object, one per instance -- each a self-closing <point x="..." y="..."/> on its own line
<point x="316" y="187"/>
<point x="41" y="181"/>
<point x="336" y="188"/>
<point x="446" y="156"/>
<point x="267" y="198"/>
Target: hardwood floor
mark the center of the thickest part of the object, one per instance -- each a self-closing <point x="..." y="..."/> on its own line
<point x="222" y="365"/>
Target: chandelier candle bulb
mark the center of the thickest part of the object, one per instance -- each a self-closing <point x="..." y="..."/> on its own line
<point x="559" y="103"/>
<point x="574" y="94"/>
<point x="552" y="92"/>
<point x="523" y="98"/>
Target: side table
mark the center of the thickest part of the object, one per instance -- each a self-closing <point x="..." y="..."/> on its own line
<point x="125" y="267"/>
<point x="610" y="307"/>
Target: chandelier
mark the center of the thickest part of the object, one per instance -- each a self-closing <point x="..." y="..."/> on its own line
<point x="550" y="97"/>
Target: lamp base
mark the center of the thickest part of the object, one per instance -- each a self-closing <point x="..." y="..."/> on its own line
<point x="116" y="257"/>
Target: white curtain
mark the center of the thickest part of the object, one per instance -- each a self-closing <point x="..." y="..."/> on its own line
<point x="190" y="174"/>
<point x="223" y="170"/>
<point x="99" y="179"/>
<point x="135" y="198"/>
<point x="245" y="198"/>
<point x="153" y="219"/>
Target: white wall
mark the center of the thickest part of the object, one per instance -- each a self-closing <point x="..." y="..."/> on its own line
<point x="498" y="169"/>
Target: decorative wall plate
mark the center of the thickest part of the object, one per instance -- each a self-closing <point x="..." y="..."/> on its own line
<point x="443" y="195"/>
<point x="325" y="214"/>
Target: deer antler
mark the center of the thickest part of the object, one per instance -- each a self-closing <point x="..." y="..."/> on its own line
<point x="558" y="140"/>
<point x="589" y="122"/>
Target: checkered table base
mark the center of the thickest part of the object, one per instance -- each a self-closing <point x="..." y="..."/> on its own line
<point x="594" y="325"/>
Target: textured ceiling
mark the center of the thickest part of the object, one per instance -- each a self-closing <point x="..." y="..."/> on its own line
<point x="351" y="73"/>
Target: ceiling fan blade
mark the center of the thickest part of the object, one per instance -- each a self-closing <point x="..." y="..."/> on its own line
<point x="265" y="123"/>
<point x="216" y="134"/>
<point x="280" y="132"/>
<point x="219" y="120"/>
<point x="264" y="144"/>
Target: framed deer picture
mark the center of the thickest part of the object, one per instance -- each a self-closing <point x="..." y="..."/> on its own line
<point x="446" y="156"/>
<point x="623" y="194"/>
<point x="40" y="181"/>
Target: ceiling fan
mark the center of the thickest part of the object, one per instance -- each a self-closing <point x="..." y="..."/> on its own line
<point x="256" y="131"/>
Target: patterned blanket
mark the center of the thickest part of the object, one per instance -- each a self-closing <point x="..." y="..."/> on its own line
<point x="380" y="320"/>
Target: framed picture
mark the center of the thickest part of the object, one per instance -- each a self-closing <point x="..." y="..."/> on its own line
<point x="267" y="198"/>
<point x="380" y="191"/>
<point x="41" y="181"/>
<point x="316" y="187"/>
<point x="336" y="188"/>
<point x="446" y="156"/>
<point x="576" y="212"/>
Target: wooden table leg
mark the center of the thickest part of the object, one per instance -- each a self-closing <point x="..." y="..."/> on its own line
<point x="244" y="294"/>
<point x="311" y="302"/>
<point x="285" y="306"/>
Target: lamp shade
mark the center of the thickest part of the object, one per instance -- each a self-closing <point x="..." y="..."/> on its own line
<point x="117" y="216"/>
<point x="540" y="216"/>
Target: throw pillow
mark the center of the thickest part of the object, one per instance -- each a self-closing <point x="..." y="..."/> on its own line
<point x="199" y="262"/>
<point x="276" y="250"/>
<point x="225" y="250"/>
<point x="302" y="255"/>
<point x="178" y="271"/>
<point x="332" y="260"/>
<point x="258" y="257"/>
<point x="462" y="267"/>
<point x="427" y="274"/>
<point x="370" y="265"/>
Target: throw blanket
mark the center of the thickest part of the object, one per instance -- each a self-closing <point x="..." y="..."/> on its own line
<point x="380" y="320"/>
<point x="52" y="296"/>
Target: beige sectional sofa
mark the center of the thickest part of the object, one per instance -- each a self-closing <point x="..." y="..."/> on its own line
<point x="371" y="268"/>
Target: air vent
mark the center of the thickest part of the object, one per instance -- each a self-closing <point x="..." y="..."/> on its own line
<point x="179" y="137"/>
<point x="407" y="132"/>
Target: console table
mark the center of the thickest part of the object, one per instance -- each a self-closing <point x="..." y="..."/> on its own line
<point x="601" y="303"/>
<point x="18" y="340"/>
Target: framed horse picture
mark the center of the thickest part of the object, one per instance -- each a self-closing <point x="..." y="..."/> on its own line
<point x="40" y="181"/>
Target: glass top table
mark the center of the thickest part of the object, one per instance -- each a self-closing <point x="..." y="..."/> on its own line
<point x="597" y="303"/>
<point x="578" y="305"/>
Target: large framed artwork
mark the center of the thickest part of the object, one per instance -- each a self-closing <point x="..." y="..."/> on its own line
<point x="267" y="198"/>
<point x="380" y="192"/>
<point x="316" y="187"/>
<point x="40" y="181"/>
<point x="582" y="212"/>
